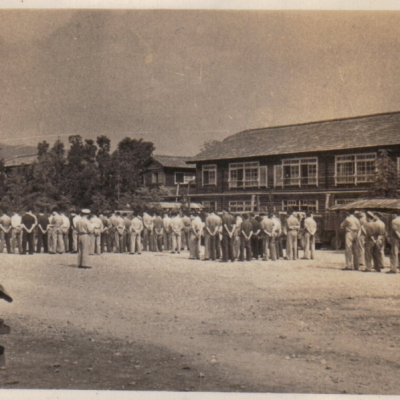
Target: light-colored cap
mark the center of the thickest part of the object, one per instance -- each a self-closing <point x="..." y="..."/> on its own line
<point x="85" y="211"/>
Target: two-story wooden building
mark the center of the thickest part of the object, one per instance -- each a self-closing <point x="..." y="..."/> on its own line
<point x="171" y="172"/>
<point x="310" y="166"/>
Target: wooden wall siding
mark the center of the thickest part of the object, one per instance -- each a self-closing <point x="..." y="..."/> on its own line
<point x="326" y="173"/>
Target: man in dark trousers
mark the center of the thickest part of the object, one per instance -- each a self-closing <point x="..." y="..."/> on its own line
<point x="42" y="229"/>
<point x="255" y="245"/>
<point x="228" y="229"/>
<point x="28" y="223"/>
<point x="246" y="232"/>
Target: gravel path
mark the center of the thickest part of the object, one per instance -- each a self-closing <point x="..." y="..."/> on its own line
<point x="178" y="324"/>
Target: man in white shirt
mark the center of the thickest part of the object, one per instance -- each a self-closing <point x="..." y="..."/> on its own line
<point x="310" y="228"/>
<point x="395" y="242"/>
<point x="16" y="233"/>
<point x="95" y="236"/>
<point x="167" y="232"/>
<point x="351" y="225"/>
<point x="136" y="231"/>
<point x="176" y="227"/>
<point x="65" y="230"/>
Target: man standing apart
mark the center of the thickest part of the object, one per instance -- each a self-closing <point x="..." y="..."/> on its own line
<point x="352" y="227"/>
<point x="395" y="242"/>
<point x="228" y="226"/>
<point x="84" y="229"/>
<point x="310" y="228"/>
<point x="293" y="226"/>
<point x="28" y="222"/>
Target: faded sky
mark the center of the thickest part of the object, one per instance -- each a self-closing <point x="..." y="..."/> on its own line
<point x="179" y="78"/>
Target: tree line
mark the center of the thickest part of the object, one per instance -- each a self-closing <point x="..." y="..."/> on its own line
<point x="86" y="175"/>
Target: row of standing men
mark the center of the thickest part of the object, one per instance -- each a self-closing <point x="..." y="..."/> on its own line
<point x="365" y="239"/>
<point x="225" y="236"/>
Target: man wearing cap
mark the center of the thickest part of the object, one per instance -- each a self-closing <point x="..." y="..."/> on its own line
<point x="84" y="228"/>
<point x="395" y="242"/>
<point x="351" y="225"/>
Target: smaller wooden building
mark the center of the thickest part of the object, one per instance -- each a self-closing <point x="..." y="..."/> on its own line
<point x="176" y="174"/>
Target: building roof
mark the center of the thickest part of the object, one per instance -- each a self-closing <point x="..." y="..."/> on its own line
<point x="349" y="133"/>
<point x="371" y="204"/>
<point x="174" y="161"/>
<point x="20" y="160"/>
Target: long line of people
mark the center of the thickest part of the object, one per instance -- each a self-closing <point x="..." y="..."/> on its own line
<point x="225" y="236"/>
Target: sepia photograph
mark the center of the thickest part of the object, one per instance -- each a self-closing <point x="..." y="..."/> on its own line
<point x="200" y="200"/>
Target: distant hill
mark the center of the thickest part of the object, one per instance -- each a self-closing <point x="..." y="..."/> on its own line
<point x="8" y="152"/>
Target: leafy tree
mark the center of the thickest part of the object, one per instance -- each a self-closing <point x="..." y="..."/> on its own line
<point x="127" y="164"/>
<point x="146" y="198"/>
<point x="43" y="148"/>
<point x="386" y="180"/>
<point x="103" y="158"/>
<point x="100" y="203"/>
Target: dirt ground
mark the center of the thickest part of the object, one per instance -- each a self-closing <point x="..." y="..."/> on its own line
<point x="163" y="322"/>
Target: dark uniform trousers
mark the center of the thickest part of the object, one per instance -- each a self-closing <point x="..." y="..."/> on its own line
<point x="227" y="248"/>
<point x="245" y="246"/>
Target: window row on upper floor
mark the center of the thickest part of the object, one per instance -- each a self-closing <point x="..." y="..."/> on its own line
<point x="349" y="169"/>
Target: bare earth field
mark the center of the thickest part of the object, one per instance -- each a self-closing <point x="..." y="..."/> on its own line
<point x="163" y="322"/>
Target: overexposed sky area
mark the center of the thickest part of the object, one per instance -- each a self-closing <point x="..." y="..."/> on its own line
<point x="179" y="78"/>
